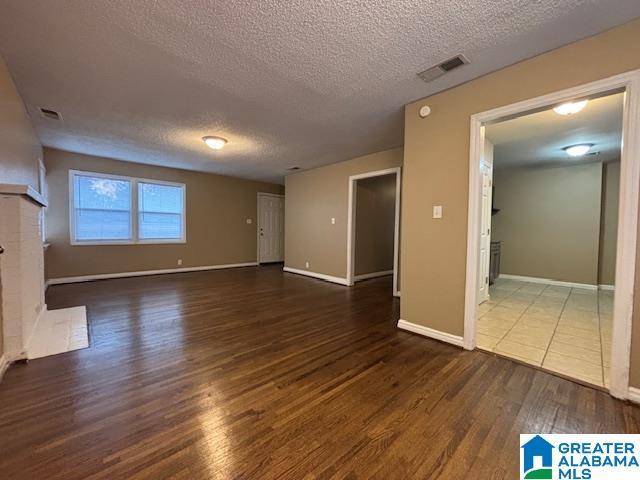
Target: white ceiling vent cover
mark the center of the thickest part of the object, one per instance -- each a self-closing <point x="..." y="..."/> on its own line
<point x="430" y="74"/>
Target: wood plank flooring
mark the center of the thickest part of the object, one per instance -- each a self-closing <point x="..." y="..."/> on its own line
<point x="252" y="373"/>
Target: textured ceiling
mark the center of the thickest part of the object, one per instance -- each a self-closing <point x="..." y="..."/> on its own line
<point x="288" y="82"/>
<point x="538" y="139"/>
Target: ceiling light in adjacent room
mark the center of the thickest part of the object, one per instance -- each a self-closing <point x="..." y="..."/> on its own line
<point x="216" y="143"/>
<point x="578" y="150"/>
<point x="570" y="108"/>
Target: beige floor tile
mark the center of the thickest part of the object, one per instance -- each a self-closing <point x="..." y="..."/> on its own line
<point x="498" y="331"/>
<point x="573" y="331"/>
<point x="537" y="340"/>
<point x="572" y="327"/>
<point x="584" y="291"/>
<point x="577" y="314"/>
<point x="556" y="291"/>
<point x="524" y="296"/>
<point x="500" y="312"/>
<point x="484" y="308"/>
<point x="486" y="342"/>
<point x="535" y="288"/>
<point x="516" y="306"/>
<point x="580" y="325"/>
<point x="583" y="354"/>
<point x="521" y="352"/>
<point x="547" y="310"/>
<point x="552" y="299"/>
<point x="507" y="285"/>
<point x="590" y="343"/>
<point x="573" y="367"/>
<point x="538" y="319"/>
<point x="534" y="330"/>
<point x="587" y="307"/>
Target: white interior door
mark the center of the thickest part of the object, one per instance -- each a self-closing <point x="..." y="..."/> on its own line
<point x="270" y="228"/>
<point x="486" y="175"/>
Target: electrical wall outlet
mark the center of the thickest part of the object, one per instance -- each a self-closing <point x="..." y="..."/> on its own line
<point x="249" y="221"/>
<point x="437" y="211"/>
<point x="179" y="261"/>
<point x="306" y="264"/>
<point x="333" y="221"/>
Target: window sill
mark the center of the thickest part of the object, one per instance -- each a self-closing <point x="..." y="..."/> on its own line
<point x="128" y="243"/>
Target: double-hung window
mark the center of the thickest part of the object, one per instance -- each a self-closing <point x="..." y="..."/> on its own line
<point x="109" y="209"/>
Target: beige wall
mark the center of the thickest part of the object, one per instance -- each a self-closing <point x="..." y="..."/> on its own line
<point x="549" y="221"/>
<point x="217" y="210"/>
<point x="436" y="169"/>
<point x="20" y="148"/>
<point x="313" y="198"/>
<point x="609" y="223"/>
<point x="375" y="224"/>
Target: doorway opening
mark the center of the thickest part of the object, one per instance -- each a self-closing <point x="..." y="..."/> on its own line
<point x="270" y="228"/>
<point x="553" y="208"/>
<point x="373" y="226"/>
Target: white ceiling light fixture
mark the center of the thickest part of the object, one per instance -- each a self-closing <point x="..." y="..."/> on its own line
<point x="570" y="108"/>
<point x="215" y="143"/>
<point x="578" y="150"/>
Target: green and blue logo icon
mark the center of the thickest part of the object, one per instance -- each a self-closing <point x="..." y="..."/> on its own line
<point x="537" y="459"/>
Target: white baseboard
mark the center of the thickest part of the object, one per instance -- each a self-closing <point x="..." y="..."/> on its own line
<point x="430" y="332"/>
<point x="4" y="364"/>
<point x="634" y="395"/>
<point x="104" y="276"/>
<point x="321" y="276"/>
<point x="548" y="281"/>
<point x="367" y="276"/>
<point x="607" y="287"/>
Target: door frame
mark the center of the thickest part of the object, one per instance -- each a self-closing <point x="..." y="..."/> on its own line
<point x="629" y="83"/>
<point x="259" y="195"/>
<point x="351" y="221"/>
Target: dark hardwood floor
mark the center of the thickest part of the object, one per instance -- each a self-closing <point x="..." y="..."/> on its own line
<point x="252" y="373"/>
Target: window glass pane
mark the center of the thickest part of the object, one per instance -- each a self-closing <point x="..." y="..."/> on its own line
<point x="160" y="211"/>
<point x="102" y="208"/>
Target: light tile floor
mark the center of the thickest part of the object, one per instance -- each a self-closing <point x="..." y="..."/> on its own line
<point x="60" y="331"/>
<point x="564" y="330"/>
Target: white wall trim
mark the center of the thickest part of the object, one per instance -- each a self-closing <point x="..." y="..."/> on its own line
<point x="628" y="82"/>
<point x="606" y="287"/>
<point x="430" y="332"/>
<point x="634" y="394"/>
<point x="4" y="365"/>
<point x="320" y="276"/>
<point x="142" y="273"/>
<point x="548" y="281"/>
<point x="367" y="276"/>
<point x="351" y="222"/>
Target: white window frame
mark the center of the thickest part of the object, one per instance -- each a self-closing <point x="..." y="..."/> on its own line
<point x="135" y="238"/>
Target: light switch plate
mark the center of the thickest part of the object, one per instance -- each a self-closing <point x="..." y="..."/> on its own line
<point x="249" y="221"/>
<point x="437" y="211"/>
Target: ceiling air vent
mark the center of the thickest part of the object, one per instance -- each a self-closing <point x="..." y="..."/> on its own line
<point x="292" y="169"/>
<point x="50" y="114"/>
<point x="432" y="73"/>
